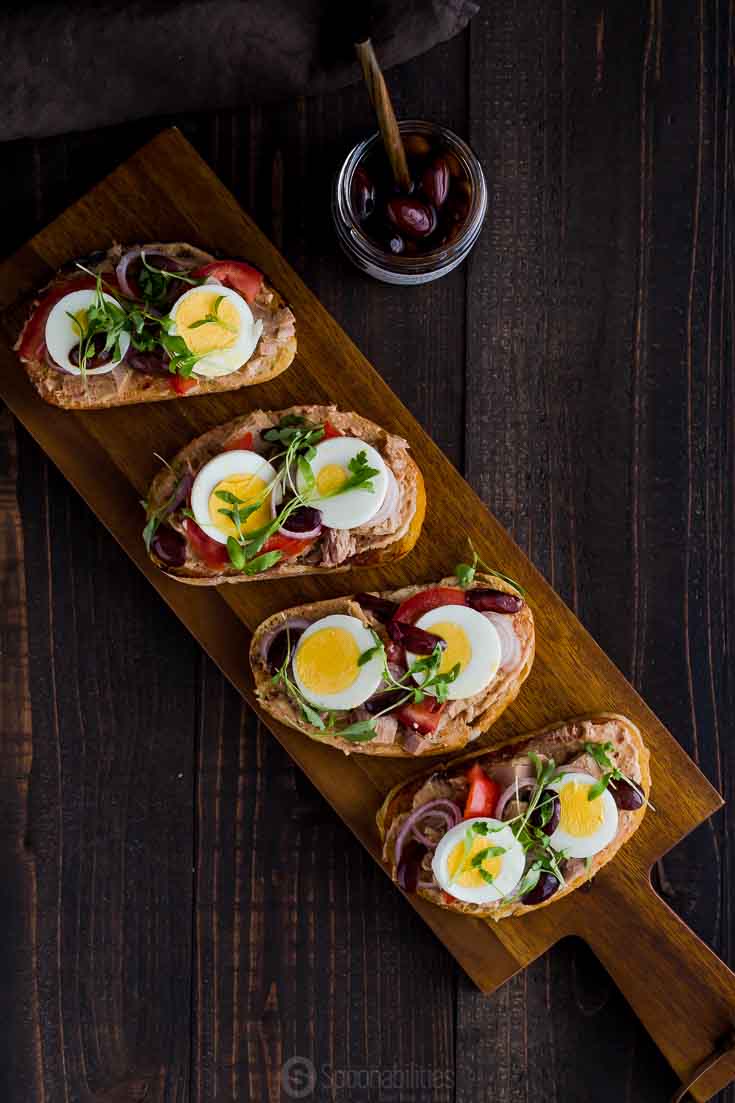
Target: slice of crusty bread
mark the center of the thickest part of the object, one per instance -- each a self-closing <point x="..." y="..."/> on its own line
<point x="457" y="731"/>
<point x="561" y="741"/>
<point x="372" y="548"/>
<point x="124" y="385"/>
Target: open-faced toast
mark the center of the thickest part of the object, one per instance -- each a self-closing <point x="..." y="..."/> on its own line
<point x="599" y="761"/>
<point x="133" y="293"/>
<point x="190" y="531"/>
<point x="485" y="624"/>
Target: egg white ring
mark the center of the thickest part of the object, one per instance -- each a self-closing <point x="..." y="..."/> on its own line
<point x="513" y="862"/>
<point x="368" y="677"/>
<point x="239" y="461"/>
<point x="355" y="507"/>
<point x="61" y="335"/>
<point x="484" y="662"/>
<point x="224" y="361"/>
<point x="586" y="846"/>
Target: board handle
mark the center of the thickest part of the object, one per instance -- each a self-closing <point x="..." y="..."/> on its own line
<point x="680" y="990"/>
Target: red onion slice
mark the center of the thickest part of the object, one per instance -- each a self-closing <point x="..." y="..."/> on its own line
<point x="294" y="625"/>
<point x="511" y="791"/>
<point x="133" y="254"/>
<point x="447" y="807"/>
<point x="305" y="523"/>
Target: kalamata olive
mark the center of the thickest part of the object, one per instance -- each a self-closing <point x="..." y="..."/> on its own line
<point x="455" y="169"/>
<point x="409" y="867"/>
<point x="396" y="244"/>
<point x="414" y="639"/>
<point x="169" y="546"/>
<point x="626" y="796"/>
<point x="416" y="145"/>
<point x="411" y="217"/>
<point x="362" y="194"/>
<point x="458" y="200"/>
<point x="303" y="519"/>
<point x="147" y="363"/>
<point x="546" y="886"/>
<point x="551" y="812"/>
<point x="435" y="182"/>
<point x="493" y="601"/>
<point x="95" y="355"/>
<point x="386" y="700"/>
<point x="380" y="607"/>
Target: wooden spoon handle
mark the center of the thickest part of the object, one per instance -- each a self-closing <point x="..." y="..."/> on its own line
<point x="679" y="989"/>
<point x="386" y="116"/>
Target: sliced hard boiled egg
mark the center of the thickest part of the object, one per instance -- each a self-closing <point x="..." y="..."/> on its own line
<point x="479" y="861"/>
<point x="217" y="325"/>
<point x="242" y="474"/>
<point x="67" y="323"/>
<point x="331" y="469"/>
<point x="585" y="826"/>
<point x="472" y="642"/>
<point x="326" y="667"/>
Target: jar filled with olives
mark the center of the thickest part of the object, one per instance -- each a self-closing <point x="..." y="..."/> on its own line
<point x="414" y="237"/>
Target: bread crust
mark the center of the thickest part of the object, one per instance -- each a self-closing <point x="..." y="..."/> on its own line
<point x="124" y="386"/>
<point x="456" y="734"/>
<point x="572" y="734"/>
<point x="202" y="448"/>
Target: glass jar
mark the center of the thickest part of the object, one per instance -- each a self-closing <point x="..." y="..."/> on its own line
<point x="382" y="264"/>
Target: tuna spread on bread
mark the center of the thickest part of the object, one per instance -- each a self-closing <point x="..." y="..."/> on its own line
<point x="151" y="322"/>
<point x="417" y="671"/>
<point x="284" y="492"/>
<point x="515" y="828"/>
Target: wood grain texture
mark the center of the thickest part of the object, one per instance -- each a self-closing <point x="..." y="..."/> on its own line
<point x="554" y="1028"/>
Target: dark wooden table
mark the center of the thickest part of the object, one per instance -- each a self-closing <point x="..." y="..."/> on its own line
<point x="199" y="915"/>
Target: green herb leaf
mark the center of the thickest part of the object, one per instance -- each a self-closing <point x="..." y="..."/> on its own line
<point x="362" y="731"/>
<point x="487" y="852"/>
<point x="262" y="562"/>
<point x="371" y="652"/>
<point x="236" y="553"/>
<point x="488" y="877"/>
<point x="465" y="573"/>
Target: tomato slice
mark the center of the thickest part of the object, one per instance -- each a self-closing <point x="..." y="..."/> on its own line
<point x="34" y="335"/>
<point x="422" y="717"/>
<point x="205" y="548"/>
<point x="182" y="385"/>
<point x="482" y="799"/>
<point x="414" y="607"/>
<point x="330" y="431"/>
<point x="287" y="545"/>
<point x="241" y="277"/>
<point x="243" y="441"/>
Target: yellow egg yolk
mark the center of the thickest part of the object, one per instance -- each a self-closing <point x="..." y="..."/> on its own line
<point x="249" y="489"/>
<point x="200" y="334"/>
<point x="460" y="868"/>
<point x="579" y="816"/>
<point x="331" y="477"/>
<point x="326" y="661"/>
<point x="458" y="649"/>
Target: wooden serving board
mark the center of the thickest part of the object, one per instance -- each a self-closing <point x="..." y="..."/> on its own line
<point x="681" y="991"/>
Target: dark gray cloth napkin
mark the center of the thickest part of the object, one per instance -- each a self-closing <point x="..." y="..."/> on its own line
<point x="89" y="63"/>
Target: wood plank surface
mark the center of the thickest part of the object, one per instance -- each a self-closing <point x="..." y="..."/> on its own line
<point x="606" y="553"/>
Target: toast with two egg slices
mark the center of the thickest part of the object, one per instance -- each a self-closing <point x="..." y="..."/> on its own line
<point x="486" y="624"/>
<point x="252" y="335"/>
<point x="605" y="750"/>
<point x="190" y="528"/>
